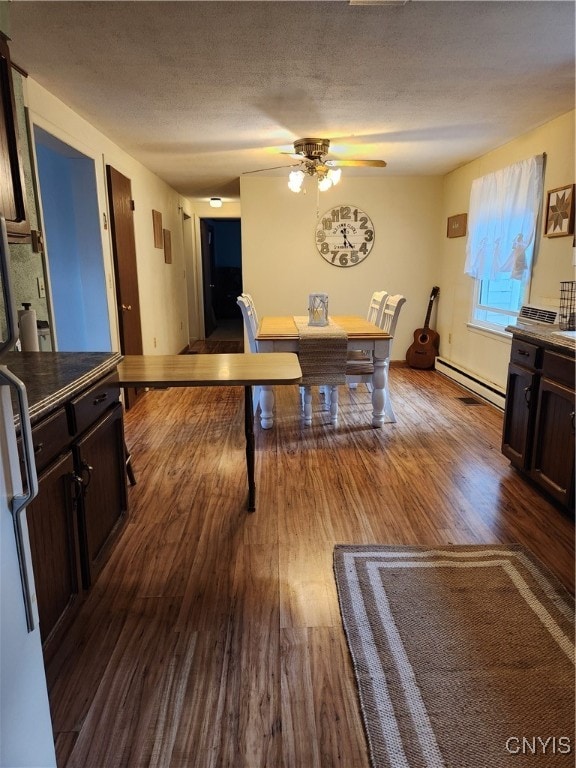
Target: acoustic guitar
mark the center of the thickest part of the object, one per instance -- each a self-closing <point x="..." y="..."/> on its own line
<point x="423" y="350"/>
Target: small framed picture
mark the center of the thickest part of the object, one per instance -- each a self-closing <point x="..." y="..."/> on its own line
<point x="167" y="246"/>
<point x="157" y="227"/>
<point x="560" y="212"/>
<point x="457" y="225"/>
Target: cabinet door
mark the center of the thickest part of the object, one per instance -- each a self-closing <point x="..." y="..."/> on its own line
<point x="521" y="394"/>
<point x="53" y="534"/>
<point x="12" y="188"/>
<point x="553" y="461"/>
<point x="99" y="457"/>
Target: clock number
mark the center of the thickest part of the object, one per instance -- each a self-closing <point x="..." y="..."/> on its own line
<point x="363" y="248"/>
<point x="345" y="212"/>
<point x="354" y="258"/>
<point x="327" y="223"/>
<point x="334" y="255"/>
<point x="343" y="259"/>
<point x="368" y="235"/>
<point x="320" y="236"/>
<point x="324" y="248"/>
<point x="335" y="217"/>
<point x="363" y="222"/>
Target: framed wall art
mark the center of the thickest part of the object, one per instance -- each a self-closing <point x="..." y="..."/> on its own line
<point x="560" y="212"/>
<point x="457" y="225"/>
<point x="157" y="226"/>
<point x="167" y="246"/>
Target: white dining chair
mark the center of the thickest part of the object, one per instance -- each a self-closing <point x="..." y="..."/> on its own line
<point x="249" y="317"/>
<point x="374" y="315"/>
<point x="376" y="307"/>
<point x="250" y="301"/>
<point x="360" y="371"/>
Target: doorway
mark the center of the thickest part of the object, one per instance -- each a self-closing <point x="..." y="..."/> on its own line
<point x="75" y="262"/>
<point x="221" y="241"/>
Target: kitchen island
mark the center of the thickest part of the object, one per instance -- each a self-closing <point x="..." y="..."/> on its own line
<point x="82" y="505"/>
<point x="538" y="433"/>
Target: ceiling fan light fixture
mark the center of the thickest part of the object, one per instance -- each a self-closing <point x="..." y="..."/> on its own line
<point x="295" y="180"/>
<point x="324" y="183"/>
<point x="216" y="202"/>
<point x="334" y="175"/>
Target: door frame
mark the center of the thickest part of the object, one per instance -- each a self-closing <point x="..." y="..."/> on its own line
<point x="34" y="119"/>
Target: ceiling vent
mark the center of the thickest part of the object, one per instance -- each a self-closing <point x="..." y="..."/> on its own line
<point x="529" y="313"/>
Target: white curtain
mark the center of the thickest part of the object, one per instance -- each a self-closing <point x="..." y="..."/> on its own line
<point x="502" y="220"/>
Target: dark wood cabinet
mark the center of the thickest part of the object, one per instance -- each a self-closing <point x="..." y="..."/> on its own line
<point x="81" y="503"/>
<point x="12" y="186"/>
<point x="538" y="434"/>
<point x="521" y="391"/>
<point x="53" y="532"/>
<point x="552" y="464"/>
<point x="99" y="458"/>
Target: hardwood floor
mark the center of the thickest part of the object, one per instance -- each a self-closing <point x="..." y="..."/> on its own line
<point x="212" y="638"/>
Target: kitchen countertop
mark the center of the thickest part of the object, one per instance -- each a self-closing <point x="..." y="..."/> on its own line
<point x="545" y="337"/>
<point x="52" y="378"/>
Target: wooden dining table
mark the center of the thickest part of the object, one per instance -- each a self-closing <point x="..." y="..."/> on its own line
<point x="215" y="370"/>
<point x="279" y="334"/>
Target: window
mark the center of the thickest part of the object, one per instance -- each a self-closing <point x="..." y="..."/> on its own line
<point x="503" y="213"/>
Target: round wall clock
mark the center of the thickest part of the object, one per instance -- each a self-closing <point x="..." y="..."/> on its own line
<point x="344" y="235"/>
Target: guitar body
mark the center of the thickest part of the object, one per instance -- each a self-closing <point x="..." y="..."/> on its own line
<point x="423" y="350"/>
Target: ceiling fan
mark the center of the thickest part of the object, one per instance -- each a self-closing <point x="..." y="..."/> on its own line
<point x="311" y="154"/>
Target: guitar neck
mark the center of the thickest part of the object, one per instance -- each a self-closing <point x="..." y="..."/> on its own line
<point x="428" y="312"/>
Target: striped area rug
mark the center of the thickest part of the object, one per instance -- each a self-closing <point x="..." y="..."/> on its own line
<point x="463" y="655"/>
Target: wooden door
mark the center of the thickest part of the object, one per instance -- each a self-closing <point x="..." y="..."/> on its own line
<point x="124" y="250"/>
<point x="207" y="241"/>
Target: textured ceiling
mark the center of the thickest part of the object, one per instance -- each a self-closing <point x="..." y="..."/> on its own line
<point x="201" y="92"/>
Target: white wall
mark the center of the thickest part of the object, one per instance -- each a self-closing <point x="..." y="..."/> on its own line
<point x="281" y="266"/>
<point x="162" y="287"/>
<point x="486" y="355"/>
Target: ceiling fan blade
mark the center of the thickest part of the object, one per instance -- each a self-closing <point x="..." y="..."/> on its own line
<point x="372" y="163"/>
<point x="273" y="168"/>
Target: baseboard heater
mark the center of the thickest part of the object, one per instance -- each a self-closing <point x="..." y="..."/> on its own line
<point x="470" y="381"/>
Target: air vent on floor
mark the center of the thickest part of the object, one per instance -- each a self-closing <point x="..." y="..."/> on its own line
<point x="538" y="314"/>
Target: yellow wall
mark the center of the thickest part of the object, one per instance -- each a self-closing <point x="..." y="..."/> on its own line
<point x="485" y="354"/>
<point x="281" y="265"/>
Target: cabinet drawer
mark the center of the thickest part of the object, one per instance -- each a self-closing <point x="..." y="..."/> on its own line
<point x="527" y="355"/>
<point x="558" y="368"/>
<point x="85" y="409"/>
<point x="50" y="438"/>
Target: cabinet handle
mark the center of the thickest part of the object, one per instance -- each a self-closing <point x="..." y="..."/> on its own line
<point x="86" y="470"/>
<point x="126" y="307"/>
<point x="572" y="420"/>
<point x="100" y="398"/>
<point x="38" y="448"/>
<point x="527" y="394"/>
<point x="523" y="353"/>
<point x="77" y="483"/>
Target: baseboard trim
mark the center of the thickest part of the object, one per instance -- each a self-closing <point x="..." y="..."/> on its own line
<point x="472" y="382"/>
